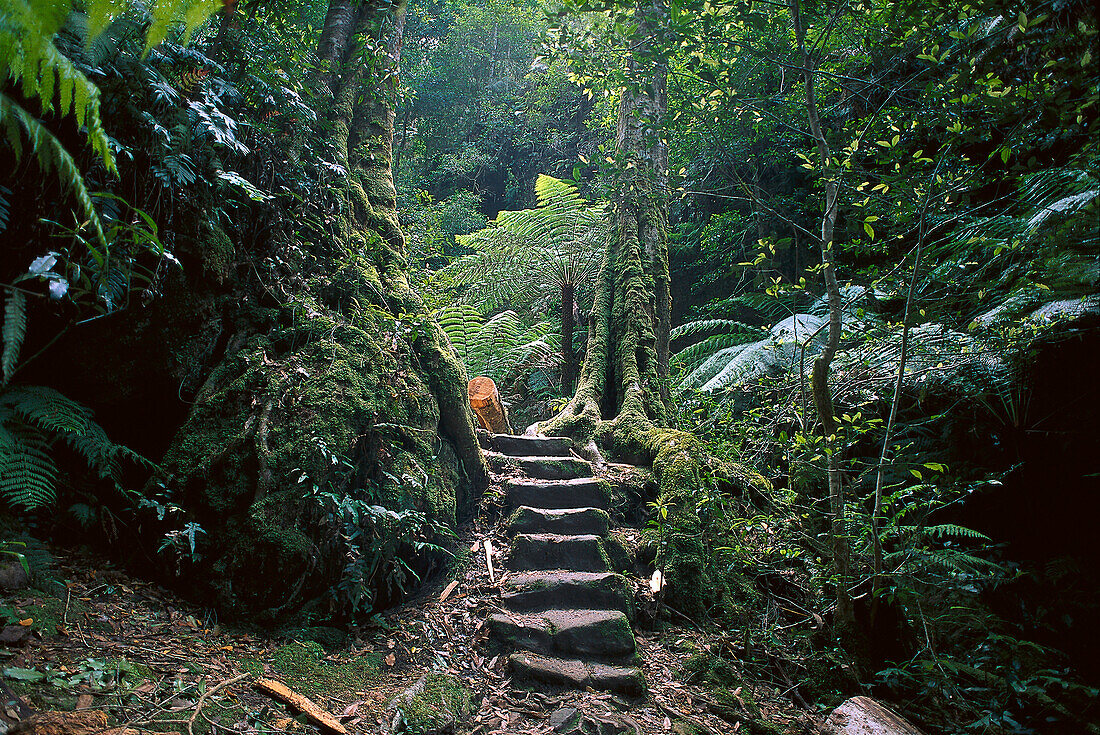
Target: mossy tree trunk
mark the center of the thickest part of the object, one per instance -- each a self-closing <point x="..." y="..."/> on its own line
<point x="622" y="403"/>
<point x="364" y="93"/>
<point x="622" y="392"/>
<point x="337" y="388"/>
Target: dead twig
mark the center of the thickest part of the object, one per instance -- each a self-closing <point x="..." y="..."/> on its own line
<point x="206" y="695"/>
<point x="686" y="717"/>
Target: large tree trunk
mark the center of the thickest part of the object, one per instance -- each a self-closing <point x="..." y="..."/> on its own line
<point x="622" y="392"/>
<point x="347" y="382"/>
<point x="622" y="401"/>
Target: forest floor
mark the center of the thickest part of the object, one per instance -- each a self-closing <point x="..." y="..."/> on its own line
<point x="103" y="641"/>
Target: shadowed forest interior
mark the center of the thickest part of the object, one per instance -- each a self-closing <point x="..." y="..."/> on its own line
<point x="785" y="318"/>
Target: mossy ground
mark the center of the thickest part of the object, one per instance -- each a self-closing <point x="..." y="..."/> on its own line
<point x="305" y="667"/>
<point x="443" y="700"/>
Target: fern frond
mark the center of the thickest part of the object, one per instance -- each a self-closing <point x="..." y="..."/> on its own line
<point x="710" y="325"/>
<point x="52" y="156"/>
<point x="461" y="323"/>
<point x="943" y="560"/>
<point x="950" y="530"/>
<point x="27" y="471"/>
<point x="15" y="328"/>
<point x="47" y="409"/>
<point x="694" y="355"/>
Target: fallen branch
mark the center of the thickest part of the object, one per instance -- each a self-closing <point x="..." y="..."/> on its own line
<point x="697" y="723"/>
<point x="285" y="694"/>
<point x="390" y="722"/>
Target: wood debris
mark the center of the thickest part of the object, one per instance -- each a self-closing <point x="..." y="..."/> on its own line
<point x="303" y="704"/>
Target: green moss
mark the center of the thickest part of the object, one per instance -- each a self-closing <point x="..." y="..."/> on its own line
<point x="303" y="666"/>
<point x="443" y="701"/>
<point x="316" y="378"/>
<point x="216" y="250"/>
<point x="618" y="552"/>
<point x="331" y="639"/>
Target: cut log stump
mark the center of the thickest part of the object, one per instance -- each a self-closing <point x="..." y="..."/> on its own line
<point x="485" y="400"/>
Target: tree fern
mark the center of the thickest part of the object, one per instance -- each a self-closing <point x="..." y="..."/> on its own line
<point x="526" y="252"/>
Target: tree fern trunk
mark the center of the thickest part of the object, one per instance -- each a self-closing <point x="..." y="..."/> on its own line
<point x="568" y="358"/>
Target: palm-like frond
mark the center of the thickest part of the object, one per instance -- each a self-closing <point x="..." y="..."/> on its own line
<point x="498" y="347"/>
<point x="527" y="252"/>
<point x="1051" y="237"/>
<point x="724" y="333"/>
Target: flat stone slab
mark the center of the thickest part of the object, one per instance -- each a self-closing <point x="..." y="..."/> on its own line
<point x="533" y="551"/>
<point x="527" y="592"/>
<point x="528" y="446"/>
<point x="566" y="632"/>
<point x="580" y="674"/>
<point x="581" y="492"/>
<point x="542" y="468"/>
<point x="564" y="521"/>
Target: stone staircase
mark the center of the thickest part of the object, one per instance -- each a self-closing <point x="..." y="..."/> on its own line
<point x="565" y="607"/>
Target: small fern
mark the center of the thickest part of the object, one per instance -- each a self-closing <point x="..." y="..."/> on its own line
<point x="500" y="346"/>
<point x="31" y="418"/>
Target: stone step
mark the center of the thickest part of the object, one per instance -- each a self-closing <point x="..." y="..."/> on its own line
<point x="568" y="632"/>
<point x="582" y="492"/>
<point x="525" y="446"/>
<point x="526" y="592"/>
<point x="535" y="551"/>
<point x="565" y="521"/>
<point x="580" y="674"/>
<point x="542" y="468"/>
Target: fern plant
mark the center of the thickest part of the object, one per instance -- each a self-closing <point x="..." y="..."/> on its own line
<point x="499" y="347"/>
<point x="535" y="256"/>
<point x="719" y="335"/>
<point x="35" y="419"/>
<point x="30" y="58"/>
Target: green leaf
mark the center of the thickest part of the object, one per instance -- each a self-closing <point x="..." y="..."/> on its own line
<point x="24" y="674"/>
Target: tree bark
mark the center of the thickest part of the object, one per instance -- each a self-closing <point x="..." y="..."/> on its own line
<point x="363" y="122"/>
<point x="622" y="391"/>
